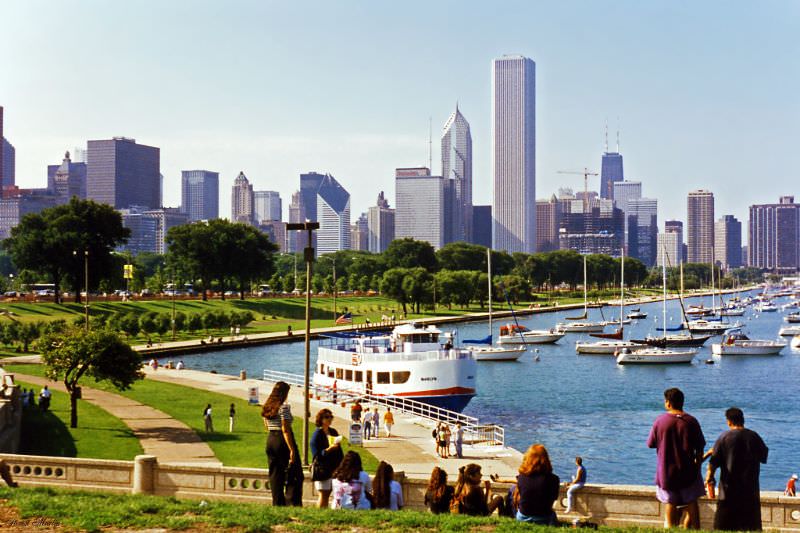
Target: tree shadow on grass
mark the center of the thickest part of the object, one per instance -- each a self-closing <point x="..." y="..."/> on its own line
<point x="43" y="433"/>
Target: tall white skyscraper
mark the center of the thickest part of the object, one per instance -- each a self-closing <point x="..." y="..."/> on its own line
<point x="420" y="201"/>
<point x="514" y="154"/>
<point x="457" y="166"/>
<point x="267" y="206"/>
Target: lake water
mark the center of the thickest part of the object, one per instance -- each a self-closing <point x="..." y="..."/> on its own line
<point x="590" y="406"/>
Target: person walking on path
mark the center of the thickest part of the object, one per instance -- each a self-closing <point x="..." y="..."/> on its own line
<point x="355" y="411"/>
<point x="285" y="470"/>
<point x="207" y="419"/>
<point x="376" y="424"/>
<point x="678" y="439"/>
<point x="459" y="440"/>
<point x="738" y="453"/>
<point x="577" y="483"/>
<point x="231" y="417"/>
<point x="326" y="450"/>
<point x="44" y="399"/>
<point x="367" y="425"/>
<point x="388" y="421"/>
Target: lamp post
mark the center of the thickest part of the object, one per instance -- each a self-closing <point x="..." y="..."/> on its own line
<point x="85" y="285"/>
<point x="308" y="255"/>
<point x="334" y="289"/>
<point x="173" y="305"/>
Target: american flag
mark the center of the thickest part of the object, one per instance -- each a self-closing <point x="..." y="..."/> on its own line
<point x="346" y="318"/>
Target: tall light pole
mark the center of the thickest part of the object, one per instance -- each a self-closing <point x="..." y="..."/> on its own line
<point x="308" y="255"/>
<point x="85" y="285"/>
<point x="334" y="288"/>
<point x="173" y="304"/>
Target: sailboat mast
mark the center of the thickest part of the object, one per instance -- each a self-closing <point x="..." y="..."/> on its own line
<point x="664" y="309"/>
<point x="585" y="284"/>
<point x="489" y="268"/>
<point x="622" y="289"/>
<point x="713" y="285"/>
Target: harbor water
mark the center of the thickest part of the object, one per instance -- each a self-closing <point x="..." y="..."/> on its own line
<point x="588" y="405"/>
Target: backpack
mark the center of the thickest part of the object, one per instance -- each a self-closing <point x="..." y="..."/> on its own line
<point x="434" y="433"/>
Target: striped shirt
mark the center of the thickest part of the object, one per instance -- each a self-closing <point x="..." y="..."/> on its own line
<point x="284" y="413"/>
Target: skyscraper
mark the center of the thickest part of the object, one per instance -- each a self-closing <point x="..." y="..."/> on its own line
<point x="482" y="225"/>
<point x="728" y="242"/>
<point x="700" y="226"/>
<point x="359" y="234"/>
<point x="514" y="154"/>
<point x="610" y="170"/>
<point x="67" y="180"/>
<point x="242" y="200"/>
<point x="267" y="206"/>
<point x="380" y="225"/>
<point x="122" y="173"/>
<point x="642" y="216"/>
<point x="548" y="219"/>
<point x="333" y="214"/>
<point x="676" y="227"/>
<point x="293" y="244"/>
<point x="7" y="158"/>
<point x="200" y="194"/>
<point x="420" y="205"/>
<point x="457" y="166"/>
<point x="668" y="251"/>
<point x="774" y="236"/>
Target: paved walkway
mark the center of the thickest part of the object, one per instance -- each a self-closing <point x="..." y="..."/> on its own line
<point x="168" y="439"/>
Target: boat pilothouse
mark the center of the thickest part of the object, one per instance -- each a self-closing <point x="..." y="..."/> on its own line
<point x="414" y="362"/>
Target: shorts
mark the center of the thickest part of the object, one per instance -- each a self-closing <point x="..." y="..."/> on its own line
<point x="324" y="485"/>
<point x="683" y="496"/>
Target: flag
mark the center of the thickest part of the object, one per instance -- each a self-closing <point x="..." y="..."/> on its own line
<point x="346" y="318"/>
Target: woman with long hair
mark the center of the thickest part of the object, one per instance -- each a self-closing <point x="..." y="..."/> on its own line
<point x="537" y="488"/>
<point x="285" y="470"/>
<point x="469" y="497"/>
<point x="326" y="450"/>
<point x="439" y="493"/>
<point x="351" y="485"/>
<point x="386" y="492"/>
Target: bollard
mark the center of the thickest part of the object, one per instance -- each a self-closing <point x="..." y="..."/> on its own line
<point x="144" y="474"/>
<point x="243" y="374"/>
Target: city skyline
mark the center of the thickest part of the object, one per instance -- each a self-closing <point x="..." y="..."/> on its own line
<point x="678" y="112"/>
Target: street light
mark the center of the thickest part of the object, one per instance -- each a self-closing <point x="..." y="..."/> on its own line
<point x="308" y="255"/>
<point x="86" y="284"/>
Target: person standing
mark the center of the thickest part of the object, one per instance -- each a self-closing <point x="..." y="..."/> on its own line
<point x="207" y="419"/>
<point x="326" y="450"/>
<point x="355" y="411"/>
<point x="231" y="416"/>
<point x="376" y="423"/>
<point x="678" y="439"/>
<point x="44" y="399"/>
<point x="367" y="427"/>
<point x="285" y="470"/>
<point x="459" y="441"/>
<point x="738" y="453"/>
<point x="791" y="486"/>
<point x="388" y="421"/>
<point x="577" y="483"/>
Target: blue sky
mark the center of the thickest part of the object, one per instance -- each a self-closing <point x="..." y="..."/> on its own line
<point x="706" y="93"/>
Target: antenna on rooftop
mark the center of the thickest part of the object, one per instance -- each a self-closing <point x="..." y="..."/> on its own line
<point x="606" y="134"/>
<point x="430" y="145"/>
<point x="617" y="134"/>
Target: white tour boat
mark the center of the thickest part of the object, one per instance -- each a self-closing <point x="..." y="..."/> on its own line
<point x="651" y="355"/>
<point x="411" y="362"/>
<point x="737" y="343"/>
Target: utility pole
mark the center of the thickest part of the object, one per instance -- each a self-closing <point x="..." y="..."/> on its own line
<point x="86" y="286"/>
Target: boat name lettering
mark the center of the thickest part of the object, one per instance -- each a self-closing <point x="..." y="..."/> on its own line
<point x="428" y="379"/>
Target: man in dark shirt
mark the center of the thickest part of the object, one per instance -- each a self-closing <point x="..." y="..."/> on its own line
<point x="738" y="453"/>
<point x="679" y="444"/>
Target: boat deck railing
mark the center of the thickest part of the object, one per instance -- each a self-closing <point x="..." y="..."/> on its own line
<point x="474" y="431"/>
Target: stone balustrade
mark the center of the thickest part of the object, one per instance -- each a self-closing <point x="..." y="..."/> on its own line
<point x="611" y="505"/>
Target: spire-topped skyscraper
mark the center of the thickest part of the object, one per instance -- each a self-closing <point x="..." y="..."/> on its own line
<point x="610" y="170"/>
<point x="457" y="166"/>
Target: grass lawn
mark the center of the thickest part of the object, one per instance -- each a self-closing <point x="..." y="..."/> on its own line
<point x="92" y="511"/>
<point x="99" y="435"/>
<point x="243" y="447"/>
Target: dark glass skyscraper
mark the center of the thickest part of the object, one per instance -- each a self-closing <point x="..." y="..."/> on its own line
<point x="610" y="172"/>
<point x="200" y="194"/>
<point x="122" y="173"/>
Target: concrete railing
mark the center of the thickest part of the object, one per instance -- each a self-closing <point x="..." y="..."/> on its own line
<point x="611" y="505"/>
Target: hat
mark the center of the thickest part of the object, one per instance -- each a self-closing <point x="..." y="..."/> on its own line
<point x="794" y="476"/>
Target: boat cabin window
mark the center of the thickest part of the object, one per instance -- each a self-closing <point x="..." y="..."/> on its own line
<point x="383" y="378"/>
<point x="339" y="373"/>
<point x="359" y="376"/>
<point x="400" y="377"/>
<point x="321" y="368"/>
<point x="330" y="372"/>
<point x="348" y="375"/>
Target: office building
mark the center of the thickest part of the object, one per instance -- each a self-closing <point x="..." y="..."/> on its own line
<point x="293" y="244"/>
<point x="642" y="223"/>
<point x="19" y="202"/>
<point x="728" y="242"/>
<point x="700" y="226"/>
<point x="668" y="249"/>
<point x="514" y="154"/>
<point x="774" y="236"/>
<point x="457" y="168"/>
<point x="380" y="225"/>
<point x="242" y="200"/>
<point x="276" y="231"/>
<point x="267" y="206"/>
<point x="592" y="230"/>
<point x="679" y="254"/>
<point x="548" y="219"/>
<point x="7" y="159"/>
<point x="333" y="215"/>
<point x="200" y="194"/>
<point x="2" y="154"/>
<point x="624" y="191"/>
<point x="122" y="173"/>
<point x="149" y="228"/>
<point x="359" y="234"/>
<point x="610" y="173"/>
<point x="482" y="225"/>
<point x="67" y="180"/>
<point x="419" y="213"/>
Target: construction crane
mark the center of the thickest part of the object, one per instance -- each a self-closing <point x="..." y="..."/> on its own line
<point x="586" y="173"/>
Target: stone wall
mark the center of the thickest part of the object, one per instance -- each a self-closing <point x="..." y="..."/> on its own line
<point x="612" y="505"/>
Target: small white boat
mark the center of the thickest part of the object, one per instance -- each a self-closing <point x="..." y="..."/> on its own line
<point x="792" y="318"/>
<point x="708" y="326"/>
<point x="659" y="356"/>
<point x="497" y="353"/>
<point x="608" y="347"/>
<point x="698" y="310"/>
<point x="731" y="311"/>
<point x="789" y="331"/>
<point x="513" y="334"/>
<point x="636" y="314"/>
<point x="766" y="307"/>
<point x="581" y="327"/>
<point x="796" y="342"/>
<point x="739" y="344"/>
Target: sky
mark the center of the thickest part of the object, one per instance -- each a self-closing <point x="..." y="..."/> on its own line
<point x="705" y="94"/>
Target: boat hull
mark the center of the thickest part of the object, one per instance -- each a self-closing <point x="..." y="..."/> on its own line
<point x="497" y="353"/>
<point x="649" y="357"/>
<point x="789" y="331"/>
<point x="605" y="348"/>
<point x="747" y="348"/>
<point x="675" y="341"/>
<point x="531" y="337"/>
<point x="582" y="327"/>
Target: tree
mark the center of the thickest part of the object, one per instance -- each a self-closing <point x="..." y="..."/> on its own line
<point x="392" y="286"/>
<point x="408" y="253"/>
<point x="53" y="243"/>
<point x="99" y="354"/>
<point x="461" y="256"/>
<point x="418" y="286"/>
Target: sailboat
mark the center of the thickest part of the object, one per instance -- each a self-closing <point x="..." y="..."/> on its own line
<point x="485" y="351"/>
<point x="581" y="325"/>
<point x="613" y="342"/>
<point x="714" y="327"/>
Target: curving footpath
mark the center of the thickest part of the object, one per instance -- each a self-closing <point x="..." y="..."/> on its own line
<point x="170" y="440"/>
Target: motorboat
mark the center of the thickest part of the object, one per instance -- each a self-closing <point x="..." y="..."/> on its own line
<point x="737" y="343"/>
<point x="792" y="318"/>
<point x="789" y="331"/>
<point x="698" y="310"/>
<point x="517" y="334"/>
<point x="766" y="307"/>
<point x="658" y="356"/>
<point x="636" y="314"/>
<point x="795" y="342"/>
<point x="709" y="326"/>
<point x="410" y="362"/>
<point x="609" y="347"/>
<point x="731" y="310"/>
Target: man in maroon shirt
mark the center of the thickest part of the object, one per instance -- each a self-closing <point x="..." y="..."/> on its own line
<point x="679" y="443"/>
